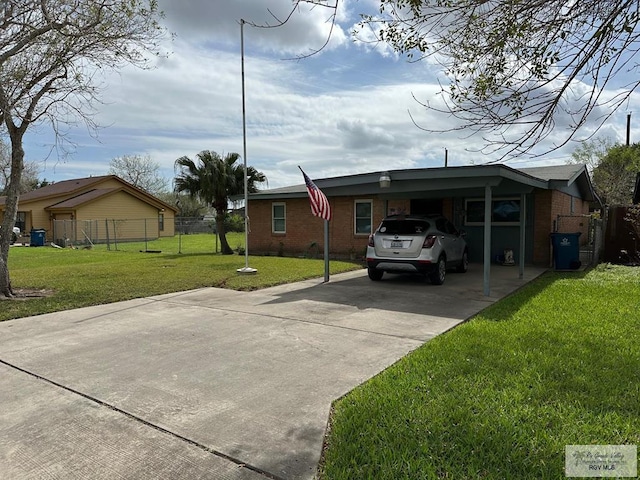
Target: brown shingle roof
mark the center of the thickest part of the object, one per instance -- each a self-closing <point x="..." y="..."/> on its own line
<point x="64" y="187"/>
<point x="69" y="189"/>
<point x="83" y="198"/>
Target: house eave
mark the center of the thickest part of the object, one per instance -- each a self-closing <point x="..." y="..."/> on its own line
<point x="423" y="182"/>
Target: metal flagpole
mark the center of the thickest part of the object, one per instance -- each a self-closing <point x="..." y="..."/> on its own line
<point x="320" y="207"/>
<point x="246" y="269"/>
<point x="326" y="251"/>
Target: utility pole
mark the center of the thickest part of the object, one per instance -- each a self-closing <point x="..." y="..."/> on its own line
<point x="628" y="129"/>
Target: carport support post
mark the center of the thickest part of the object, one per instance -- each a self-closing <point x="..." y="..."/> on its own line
<point x="487" y="240"/>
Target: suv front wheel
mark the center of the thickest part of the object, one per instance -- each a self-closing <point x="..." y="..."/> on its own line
<point x="438" y="275"/>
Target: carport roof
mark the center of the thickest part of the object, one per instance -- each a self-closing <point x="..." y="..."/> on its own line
<point x="461" y="181"/>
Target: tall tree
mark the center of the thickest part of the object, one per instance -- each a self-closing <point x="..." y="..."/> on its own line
<point x="214" y="179"/>
<point x="615" y="175"/>
<point x="50" y="54"/>
<point x="516" y="68"/>
<point x="188" y="207"/>
<point x="30" y="174"/>
<point x="591" y="152"/>
<point x="140" y="171"/>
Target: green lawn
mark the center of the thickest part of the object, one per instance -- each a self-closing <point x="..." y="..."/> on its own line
<point x="500" y="396"/>
<point x="80" y="277"/>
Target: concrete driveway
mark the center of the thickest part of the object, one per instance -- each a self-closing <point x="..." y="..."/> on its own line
<point x="211" y="383"/>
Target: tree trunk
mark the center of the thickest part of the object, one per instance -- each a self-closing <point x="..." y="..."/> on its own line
<point x="5" y="284"/>
<point x="11" y="207"/>
<point x="224" y="245"/>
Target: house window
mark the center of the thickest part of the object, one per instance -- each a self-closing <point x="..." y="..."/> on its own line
<point x="278" y="214"/>
<point x="573" y="205"/>
<point x="161" y="222"/>
<point x="21" y="221"/>
<point x="504" y="211"/>
<point x="363" y="217"/>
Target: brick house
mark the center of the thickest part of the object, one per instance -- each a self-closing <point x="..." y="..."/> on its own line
<point x="281" y="221"/>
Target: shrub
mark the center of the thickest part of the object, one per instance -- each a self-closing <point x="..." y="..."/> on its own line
<point x="234" y="223"/>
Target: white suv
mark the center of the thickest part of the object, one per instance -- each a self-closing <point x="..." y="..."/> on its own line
<point x="426" y="244"/>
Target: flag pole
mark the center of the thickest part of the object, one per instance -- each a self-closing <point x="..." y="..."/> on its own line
<point x="326" y="251"/>
<point x="247" y="269"/>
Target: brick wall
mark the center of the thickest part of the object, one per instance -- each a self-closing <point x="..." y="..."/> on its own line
<point x="397" y="207"/>
<point x="548" y="205"/>
<point x="543" y="224"/>
<point x="305" y="233"/>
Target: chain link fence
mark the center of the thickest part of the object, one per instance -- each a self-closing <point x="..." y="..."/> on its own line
<point x="68" y="233"/>
<point x="128" y="233"/>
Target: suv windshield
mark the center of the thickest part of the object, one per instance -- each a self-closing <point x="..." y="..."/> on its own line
<point x="404" y="227"/>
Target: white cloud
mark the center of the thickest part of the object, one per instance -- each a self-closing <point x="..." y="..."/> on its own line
<point x="342" y="112"/>
<point x="219" y="20"/>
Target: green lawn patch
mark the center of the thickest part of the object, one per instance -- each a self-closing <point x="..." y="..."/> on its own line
<point x="83" y="277"/>
<point x="500" y="396"/>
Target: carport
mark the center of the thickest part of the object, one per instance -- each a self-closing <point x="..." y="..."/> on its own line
<point x="483" y="182"/>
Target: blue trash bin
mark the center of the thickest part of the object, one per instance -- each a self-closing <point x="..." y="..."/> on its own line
<point x="566" y="250"/>
<point x="37" y="237"/>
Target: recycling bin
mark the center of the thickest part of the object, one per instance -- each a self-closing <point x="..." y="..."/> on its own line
<point x="566" y="250"/>
<point x="37" y="237"/>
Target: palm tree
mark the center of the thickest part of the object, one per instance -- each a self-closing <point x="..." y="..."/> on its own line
<point x="214" y="179"/>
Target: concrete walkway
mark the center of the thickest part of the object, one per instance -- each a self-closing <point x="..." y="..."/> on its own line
<point x="211" y="383"/>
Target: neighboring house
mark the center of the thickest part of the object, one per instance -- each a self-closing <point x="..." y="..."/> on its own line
<point x="548" y="199"/>
<point x="96" y="208"/>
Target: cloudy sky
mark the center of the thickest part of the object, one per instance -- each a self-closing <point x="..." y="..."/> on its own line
<point x="342" y="111"/>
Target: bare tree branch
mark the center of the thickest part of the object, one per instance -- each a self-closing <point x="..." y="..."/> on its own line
<point x="517" y="70"/>
<point x="332" y="6"/>
<point x="140" y="171"/>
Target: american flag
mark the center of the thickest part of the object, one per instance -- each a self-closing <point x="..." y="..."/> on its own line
<point x="319" y="204"/>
